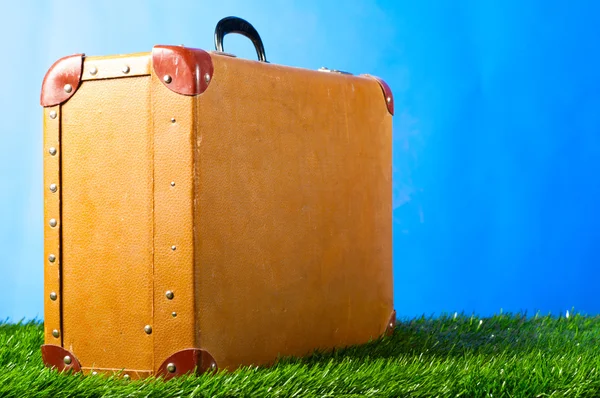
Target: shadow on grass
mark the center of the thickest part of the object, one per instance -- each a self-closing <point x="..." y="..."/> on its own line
<point x="460" y="336"/>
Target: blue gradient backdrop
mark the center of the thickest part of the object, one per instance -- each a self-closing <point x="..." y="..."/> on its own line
<point x="496" y="133"/>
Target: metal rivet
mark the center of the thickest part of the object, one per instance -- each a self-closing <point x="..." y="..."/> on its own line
<point x="94" y="373"/>
<point x="68" y="88"/>
<point x="53" y="296"/>
<point x="52" y="222"/>
<point x="206" y="77"/>
<point x="52" y="258"/>
<point x="173" y="314"/>
<point x="171" y="368"/>
<point x="173" y="120"/>
<point x="52" y="151"/>
<point x="169" y="295"/>
<point x="167" y="79"/>
<point x="172" y="183"/>
<point x="53" y="187"/>
<point x="148" y="329"/>
<point x="388" y="99"/>
<point x="93" y="70"/>
<point x="127" y="377"/>
<point x="125" y="69"/>
<point x="55" y="333"/>
<point x="173" y="247"/>
<point x="68" y="360"/>
<point x="53" y="114"/>
<point x="213" y="365"/>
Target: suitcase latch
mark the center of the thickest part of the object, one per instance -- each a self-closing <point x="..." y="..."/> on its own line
<point x="324" y="69"/>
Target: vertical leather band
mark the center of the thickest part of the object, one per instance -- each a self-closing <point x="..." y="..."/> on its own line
<point x="52" y="227"/>
<point x="174" y="137"/>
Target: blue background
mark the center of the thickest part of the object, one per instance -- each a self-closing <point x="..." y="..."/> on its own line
<point x="496" y="132"/>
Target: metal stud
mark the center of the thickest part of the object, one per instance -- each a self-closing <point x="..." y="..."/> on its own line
<point x="171" y="367"/>
<point x="68" y="88"/>
<point x="388" y="99"/>
<point x="52" y="258"/>
<point x="172" y="183"/>
<point x="53" y="296"/>
<point x="126" y="377"/>
<point x="93" y="71"/>
<point x="52" y="114"/>
<point x="173" y="120"/>
<point x="212" y="365"/>
<point x="206" y="78"/>
<point x="148" y="329"/>
<point x="173" y="247"/>
<point x="173" y="314"/>
<point x="169" y="295"/>
<point x="53" y="187"/>
<point x="52" y="151"/>
<point x="68" y="360"/>
<point x="52" y="222"/>
<point x="167" y="79"/>
<point x="126" y="69"/>
<point x="55" y="333"/>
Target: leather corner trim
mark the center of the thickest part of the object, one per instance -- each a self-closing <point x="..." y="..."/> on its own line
<point x="185" y="361"/>
<point x="186" y="71"/>
<point x="62" y="80"/>
<point x="391" y="325"/>
<point x="55" y="357"/>
<point x="387" y="92"/>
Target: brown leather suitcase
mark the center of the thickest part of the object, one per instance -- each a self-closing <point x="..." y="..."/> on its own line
<point x="205" y="212"/>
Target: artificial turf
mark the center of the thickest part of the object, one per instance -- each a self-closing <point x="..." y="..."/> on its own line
<point x="507" y="355"/>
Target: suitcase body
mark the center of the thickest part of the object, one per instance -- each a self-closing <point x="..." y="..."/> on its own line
<point x="204" y="212"/>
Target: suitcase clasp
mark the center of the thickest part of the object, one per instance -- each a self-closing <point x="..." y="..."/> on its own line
<point x="324" y="69"/>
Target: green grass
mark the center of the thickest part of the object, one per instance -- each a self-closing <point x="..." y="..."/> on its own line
<point x="503" y="356"/>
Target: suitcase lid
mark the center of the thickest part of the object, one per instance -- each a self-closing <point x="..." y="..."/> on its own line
<point x="185" y="70"/>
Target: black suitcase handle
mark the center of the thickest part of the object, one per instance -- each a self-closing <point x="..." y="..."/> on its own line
<point x="238" y="25"/>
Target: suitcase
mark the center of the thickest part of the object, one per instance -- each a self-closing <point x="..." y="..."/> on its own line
<point x="205" y="212"/>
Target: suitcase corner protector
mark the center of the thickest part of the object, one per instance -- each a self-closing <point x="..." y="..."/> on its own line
<point x="183" y="70"/>
<point x="186" y="361"/>
<point x="391" y="324"/>
<point x="387" y="92"/>
<point x="62" y="80"/>
<point x="56" y="357"/>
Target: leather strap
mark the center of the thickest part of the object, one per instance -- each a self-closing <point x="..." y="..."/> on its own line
<point x="52" y="227"/>
<point x="174" y="137"/>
